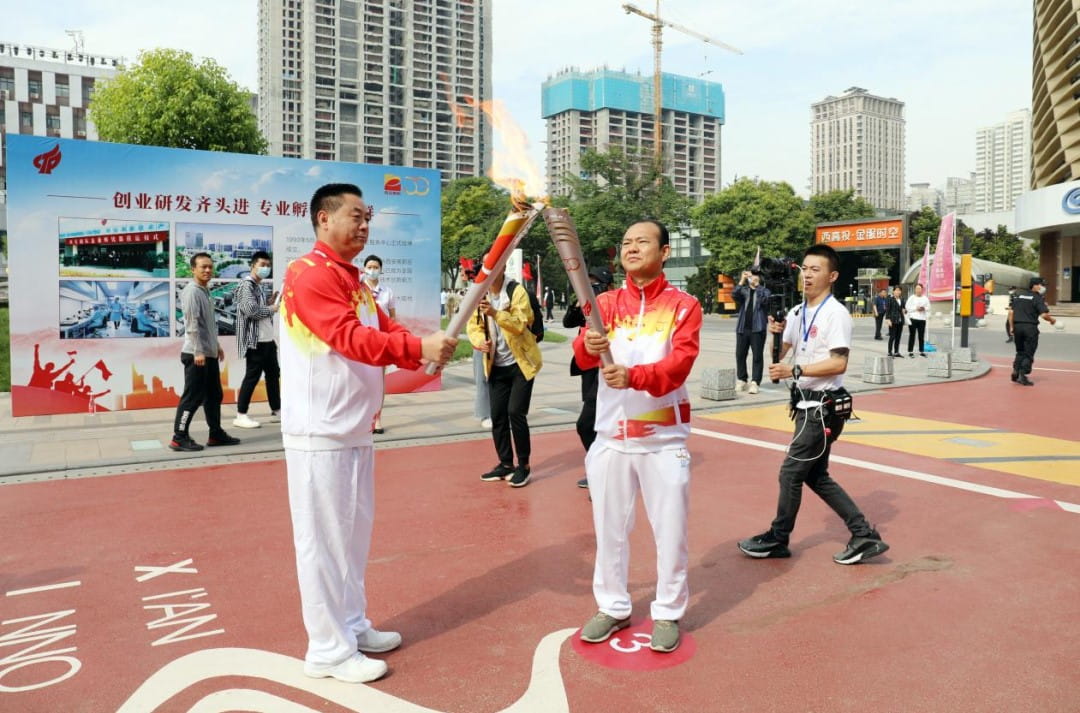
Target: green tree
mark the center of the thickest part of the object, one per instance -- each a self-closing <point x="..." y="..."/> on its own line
<point x="751" y="213"/>
<point x="1004" y="247"/>
<point x="702" y="284"/>
<point x="620" y="187"/>
<point x="839" y="205"/>
<point x="923" y="226"/>
<point x="166" y="99"/>
<point x="473" y="209"/>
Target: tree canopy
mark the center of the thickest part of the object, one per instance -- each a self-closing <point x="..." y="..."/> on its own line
<point x="167" y="99"/>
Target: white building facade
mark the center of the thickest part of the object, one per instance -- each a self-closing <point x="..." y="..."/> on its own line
<point x="857" y="142"/>
<point x="45" y="92"/>
<point x="1002" y="162"/>
<point x="380" y="82"/>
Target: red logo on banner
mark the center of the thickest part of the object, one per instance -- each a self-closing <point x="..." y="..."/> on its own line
<point x="391" y="184"/>
<point x="629" y="650"/>
<point x="47" y="161"/>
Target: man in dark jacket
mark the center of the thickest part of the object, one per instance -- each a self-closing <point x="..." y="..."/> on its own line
<point x="752" y="300"/>
<point x="575" y="317"/>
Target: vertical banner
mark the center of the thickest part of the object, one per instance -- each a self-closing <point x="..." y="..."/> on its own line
<point x="924" y="269"/>
<point x="100" y="238"/>
<point x="943" y="273"/>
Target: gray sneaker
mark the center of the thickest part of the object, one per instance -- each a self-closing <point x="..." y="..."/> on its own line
<point x="665" y="636"/>
<point x="602" y="626"/>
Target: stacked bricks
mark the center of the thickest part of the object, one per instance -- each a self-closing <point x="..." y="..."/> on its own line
<point x="877" y="370"/>
<point x="718" y="384"/>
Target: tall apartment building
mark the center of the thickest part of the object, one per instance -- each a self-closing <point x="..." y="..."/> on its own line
<point x="45" y="92"/>
<point x="959" y="195"/>
<point x="377" y="81"/>
<point x="1002" y="162"/>
<point x="857" y="142"/>
<point x="606" y="108"/>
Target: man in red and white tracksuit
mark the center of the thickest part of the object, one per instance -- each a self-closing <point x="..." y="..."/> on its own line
<point x="335" y="342"/>
<point x="642" y="423"/>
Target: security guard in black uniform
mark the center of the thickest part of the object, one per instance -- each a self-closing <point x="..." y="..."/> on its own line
<point x="1027" y="307"/>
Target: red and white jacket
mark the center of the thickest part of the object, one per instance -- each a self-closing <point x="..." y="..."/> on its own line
<point x="655" y="333"/>
<point x="334" y="343"/>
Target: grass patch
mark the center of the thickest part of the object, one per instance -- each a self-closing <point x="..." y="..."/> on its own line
<point x="5" y="351"/>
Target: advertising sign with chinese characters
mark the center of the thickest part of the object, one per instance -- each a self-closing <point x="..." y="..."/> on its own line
<point x="865" y="234"/>
<point x="99" y="241"/>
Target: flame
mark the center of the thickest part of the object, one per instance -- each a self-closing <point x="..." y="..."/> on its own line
<point x="512" y="167"/>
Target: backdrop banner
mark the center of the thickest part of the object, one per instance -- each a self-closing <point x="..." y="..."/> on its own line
<point x="99" y="239"/>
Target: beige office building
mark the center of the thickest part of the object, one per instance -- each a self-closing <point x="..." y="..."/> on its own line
<point x="45" y="91"/>
<point x="1002" y="162"/>
<point x="377" y="81"/>
<point x="857" y="142"/>
<point x="1050" y="212"/>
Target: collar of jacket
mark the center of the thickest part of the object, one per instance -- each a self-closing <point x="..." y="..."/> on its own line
<point x="327" y="251"/>
<point x="651" y="290"/>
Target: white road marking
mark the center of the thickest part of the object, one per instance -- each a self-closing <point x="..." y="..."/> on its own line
<point x="892" y="470"/>
<point x="43" y="588"/>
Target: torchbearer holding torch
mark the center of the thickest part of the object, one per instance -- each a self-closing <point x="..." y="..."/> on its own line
<point x="651" y="331"/>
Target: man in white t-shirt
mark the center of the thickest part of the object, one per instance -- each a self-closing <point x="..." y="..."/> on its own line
<point x="918" y="310"/>
<point x="819" y="333"/>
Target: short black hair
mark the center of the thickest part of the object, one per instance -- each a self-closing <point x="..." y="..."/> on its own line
<point x="260" y="255"/>
<point x="369" y="258"/>
<point x="328" y="198"/>
<point x="827" y="252"/>
<point x="196" y="256"/>
<point x="661" y="228"/>
<point x="1036" y="281"/>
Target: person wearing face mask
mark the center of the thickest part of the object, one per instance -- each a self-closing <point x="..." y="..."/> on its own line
<point x="1028" y="307"/>
<point x="255" y="340"/>
<point x="384" y="298"/>
<point x="752" y="299"/>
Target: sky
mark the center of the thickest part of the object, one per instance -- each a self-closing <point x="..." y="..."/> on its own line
<point x="958" y="65"/>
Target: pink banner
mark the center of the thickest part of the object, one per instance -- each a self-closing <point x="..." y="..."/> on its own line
<point x="924" y="269"/>
<point x="943" y="272"/>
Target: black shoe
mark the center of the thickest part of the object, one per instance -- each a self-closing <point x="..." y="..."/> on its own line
<point x="911" y="355"/>
<point x="922" y="354"/>
<point x="764" y="545"/>
<point x="184" y="443"/>
<point x="583" y="483"/>
<point x="1015" y="376"/>
<point x="878" y="338"/>
<point x="222" y="439"/>
<point x="1007" y="341"/>
<point x="520" y="478"/>
<point x="898" y="355"/>
<point x="378" y="431"/>
<point x="1025" y="381"/>
<point x="861" y="548"/>
<point x="499" y="472"/>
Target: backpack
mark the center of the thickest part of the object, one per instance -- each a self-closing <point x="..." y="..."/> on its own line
<point x="537" y="324"/>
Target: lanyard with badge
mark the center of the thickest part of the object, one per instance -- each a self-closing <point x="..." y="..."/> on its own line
<point x="807" y="329"/>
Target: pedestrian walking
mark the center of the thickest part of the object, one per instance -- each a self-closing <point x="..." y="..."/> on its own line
<point x="255" y="312"/>
<point x="917" y="308"/>
<point x="1029" y="306"/>
<point x="880" y="304"/>
<point x="894" y="319"/>
<point x="752" y="300"/>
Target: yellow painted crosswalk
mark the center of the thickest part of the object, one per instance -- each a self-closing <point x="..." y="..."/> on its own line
<point x="1051" y="459"/>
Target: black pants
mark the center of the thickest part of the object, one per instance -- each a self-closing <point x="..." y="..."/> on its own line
<point x="808" y="462"/>
<point x="1027" y="342"/>
<point x="510" y="394"/>
<point x="917" y="326"/>
<point x="877" y="325"/>
<point x="202" y="387"/>
<point x="895" y="331"/>
<point x="745" y="342"/>
<point x="261" y="360"/>
<point x="586" y="421"/>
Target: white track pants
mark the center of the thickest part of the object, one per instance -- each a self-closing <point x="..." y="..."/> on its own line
<point x="664" y="481"/>
<point x="332" y="499"/>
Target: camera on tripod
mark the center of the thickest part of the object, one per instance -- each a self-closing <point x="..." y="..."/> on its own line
<point x="781" y="276"/>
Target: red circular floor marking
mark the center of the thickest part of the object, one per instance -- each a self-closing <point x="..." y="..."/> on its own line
<point x="629" y="650"/>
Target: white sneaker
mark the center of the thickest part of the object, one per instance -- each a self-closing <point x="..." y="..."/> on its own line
<point x="242" y="420"/>
<point x="753" y="387"/>
<point x="485" y="423"/>
<point x="377" y="642"/>
<point x="355" y="669"/>
<point x="275" y="416"/>
<point x="740" y="386"/>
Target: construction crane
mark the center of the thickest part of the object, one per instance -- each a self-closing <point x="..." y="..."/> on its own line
<point x="657" y="42"/>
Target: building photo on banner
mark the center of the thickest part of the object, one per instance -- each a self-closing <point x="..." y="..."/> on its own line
<point x="96" y="323"/>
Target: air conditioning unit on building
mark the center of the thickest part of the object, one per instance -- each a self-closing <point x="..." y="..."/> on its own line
<point x="4" y="95"/>
<point x="81" y="133"/>
<point x="35" y="97"/>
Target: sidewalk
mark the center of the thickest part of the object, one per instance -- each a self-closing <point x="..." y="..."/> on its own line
<point x="61" y="446"/>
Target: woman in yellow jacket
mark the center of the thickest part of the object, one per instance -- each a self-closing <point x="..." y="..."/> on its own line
<point x="500" y="329"/>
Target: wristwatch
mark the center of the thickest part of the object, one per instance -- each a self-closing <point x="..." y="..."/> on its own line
<point x="796" y="372"/>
